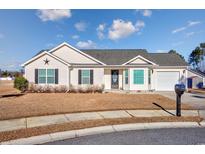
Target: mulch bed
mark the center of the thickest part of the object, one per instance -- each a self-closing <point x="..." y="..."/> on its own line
<point x="23" y="133"/>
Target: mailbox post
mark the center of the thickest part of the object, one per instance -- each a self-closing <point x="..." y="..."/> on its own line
<point x="179" y="89"/>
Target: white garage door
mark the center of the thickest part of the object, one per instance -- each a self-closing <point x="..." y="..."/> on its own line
<point x="166" y="81"/>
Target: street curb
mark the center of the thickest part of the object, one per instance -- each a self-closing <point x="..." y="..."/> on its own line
<point x="41" y="139"/>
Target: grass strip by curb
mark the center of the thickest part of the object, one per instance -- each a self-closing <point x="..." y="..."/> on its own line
<point x="23" y="133"/>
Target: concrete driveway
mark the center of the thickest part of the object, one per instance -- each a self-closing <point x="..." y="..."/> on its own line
<point x="197" y="101"/>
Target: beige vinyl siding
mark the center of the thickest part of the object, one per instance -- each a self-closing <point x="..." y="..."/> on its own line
<point x="53" y="64"/>
<point x="71" y="56"/>
<point x="98" y="75"/>
<point x="138" y="61"/>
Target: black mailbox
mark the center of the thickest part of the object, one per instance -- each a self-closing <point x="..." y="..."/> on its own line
<point x="179" y="89"/>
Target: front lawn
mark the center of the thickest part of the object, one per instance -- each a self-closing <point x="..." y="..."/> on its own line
<point x="7" y="87"/>
<point x="36" y="104"/>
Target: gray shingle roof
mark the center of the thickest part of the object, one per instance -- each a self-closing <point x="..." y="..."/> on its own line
<point x="41" y="52"/>
<point x="197" y="72"/>
<point x="120" y="56"/>
<point x="168" y="59"/>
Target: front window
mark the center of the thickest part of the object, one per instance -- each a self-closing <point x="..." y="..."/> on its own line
<point x="138" y="76"/>
<point x="41" y="75"/>
<point x="46" y="76"/>
<point x="85" y="78"/>
<point x="126" y="76"/>
<point x="50" y="76"/>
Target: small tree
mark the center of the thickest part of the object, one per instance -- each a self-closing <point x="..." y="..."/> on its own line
<point x="5" y="73"/>
<point x="196" y="57"/>
<point x="175" y="52"/>
<point x="21" y="83"/>
<point x="202" y="45"/>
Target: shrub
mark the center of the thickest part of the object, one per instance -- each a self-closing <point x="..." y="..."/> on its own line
<point x="89" y="89"/>
<point x="21" y="83"/>
<point x="98" y="89"/>
<point x="47" y="88"/>
<point x="86" y="89"/>
<point x="64" y="89"/>
<point x="61" y="89"/>
<point x="32" y="88"/>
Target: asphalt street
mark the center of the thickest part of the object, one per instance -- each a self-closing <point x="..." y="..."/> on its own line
<point x="172" y="136"/>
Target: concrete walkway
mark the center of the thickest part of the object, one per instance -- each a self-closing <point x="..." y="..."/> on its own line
<point x="197" y="101"/>
<point x="22" y="123"/>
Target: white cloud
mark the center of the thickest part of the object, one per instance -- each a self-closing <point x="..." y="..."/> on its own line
<point x="81" y="26"/>
<point x="189" y="24"/>
<point x="147" y="13"/>
<point x="190" y="34"/>
<point x="53" y="15"/>
<point x="75" y="37"/>
<point x="192" y="23"/>
<point x="122" y="29"/>
<point x="11" y="65"/>
<point x="86" y="44"/>
<point x="139" y="24"/>
<point x="49" y="45"/>
<point x="100" y="29"/>
<point x="177" y="43"/>
<point x="179" y="30"/>
<point x="59" y="35"/>
<point x="161" y="51"/>
<point x="1" y="36"/>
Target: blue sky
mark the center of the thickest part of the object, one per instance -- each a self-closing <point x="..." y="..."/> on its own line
<point x="25" y="32"/>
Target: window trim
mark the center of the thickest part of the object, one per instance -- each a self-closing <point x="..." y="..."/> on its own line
<point x="138" y="77"/>
<point x="126" y="76"/>
<point x="85" y="76"/>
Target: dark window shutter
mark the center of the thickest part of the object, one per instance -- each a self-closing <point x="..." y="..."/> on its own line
<point x="79" y="76"/>
<point x="56" y="76"/>
<point x="91" y="76"/>
<point x="36" y="76"/>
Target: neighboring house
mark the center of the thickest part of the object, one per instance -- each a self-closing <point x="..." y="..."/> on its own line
<point x="196" y="79"/>
<point x="125" y="69"/>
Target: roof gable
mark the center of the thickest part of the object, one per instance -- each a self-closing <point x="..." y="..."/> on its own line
<point x="139" y="60"/>
<point x="73" y="55"/>
<point x="42" y="54"/>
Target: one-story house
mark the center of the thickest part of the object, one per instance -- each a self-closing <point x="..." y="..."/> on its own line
<point x="124" y="69"/>
<point x="196" y="79"/>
